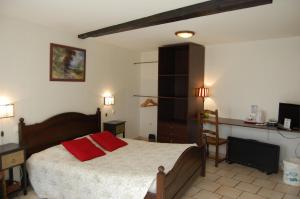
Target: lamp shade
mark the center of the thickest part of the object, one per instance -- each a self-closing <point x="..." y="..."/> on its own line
<point x="202" y="92"/>
<point x="6" y="110"/>
<point x="110" y="100"/>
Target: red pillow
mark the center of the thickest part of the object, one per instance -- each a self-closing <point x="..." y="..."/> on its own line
<point x="108" y="141"/>
<point x="83" y="149"/>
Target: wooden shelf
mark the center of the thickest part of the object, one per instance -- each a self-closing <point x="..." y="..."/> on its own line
<point x="171" y="97"/>
<point x="174" y="75"/>
<point x="149" y="96"/>
<point x="180" y="69"/>
<point x="162" y="97"/>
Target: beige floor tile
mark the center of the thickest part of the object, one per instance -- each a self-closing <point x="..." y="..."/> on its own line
<point x="244" y="178"/>
<point x="244" y="170"/>
<point x="212" y="169"/>
<point x="228" y="192"/>
<point x="224" y="173"/>
<point x="270" y="194"/>
<point x="206" y="195"/>
<point x="208" y="186"/>
<point x="225" y="166"/>
<point x="277" y="177"/>
<point x="192" y="191"/>
<point x="211" y="177"/>
<point x="287" y="196"/>
<point x="259" y="174"/>
<point x="264" y="183"/>
<point x="284" y="188"/>
<point x="243" y="186"/>
<point x="227" y="181"/>
<point x="246" y="195"/>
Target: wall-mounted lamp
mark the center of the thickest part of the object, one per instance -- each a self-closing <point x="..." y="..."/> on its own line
<point x="6" y="111"/>
<point x="202" y="92"/>
<point x="109" y="100"/>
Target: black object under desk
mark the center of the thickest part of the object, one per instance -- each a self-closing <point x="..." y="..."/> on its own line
<point x="252" y="153"/>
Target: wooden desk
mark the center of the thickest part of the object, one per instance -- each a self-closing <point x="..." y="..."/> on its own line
<point x="236" y="122"/>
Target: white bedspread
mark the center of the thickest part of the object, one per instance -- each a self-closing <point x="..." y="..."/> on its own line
<point x="126" y="173"/>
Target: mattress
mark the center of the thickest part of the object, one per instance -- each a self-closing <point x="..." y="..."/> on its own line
<point x="126" y="173"/>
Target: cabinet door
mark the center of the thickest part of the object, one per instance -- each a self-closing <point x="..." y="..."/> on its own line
<point x="179" y="133"/>
<point x="163" y="132"/>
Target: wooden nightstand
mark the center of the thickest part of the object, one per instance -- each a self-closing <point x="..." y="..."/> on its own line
<point x="12" y="155"/>
<point x="115" y="126"/>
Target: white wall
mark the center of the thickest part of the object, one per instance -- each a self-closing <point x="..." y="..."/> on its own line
<point x="239" y="75"/>
<point x="24" y="77"/>
<point x="260" y="72"/>
<point x="263" y="73"/>
<point x="148" y="86"/>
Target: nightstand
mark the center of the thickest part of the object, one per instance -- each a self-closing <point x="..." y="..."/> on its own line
<point x="115" y="126"/>
<point x="12" y="155"/>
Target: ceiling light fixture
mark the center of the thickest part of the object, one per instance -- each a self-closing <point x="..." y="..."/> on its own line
<point x="185" y="34"/>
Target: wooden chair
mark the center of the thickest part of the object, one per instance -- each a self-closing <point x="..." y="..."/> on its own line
<point x="212" y="137"/>
<point x="2" y="186"/>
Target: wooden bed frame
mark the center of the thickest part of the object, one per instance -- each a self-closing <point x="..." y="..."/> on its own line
<point x="66" y="126"/>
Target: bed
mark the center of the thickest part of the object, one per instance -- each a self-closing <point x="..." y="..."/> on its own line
<point x="171" y="182"/>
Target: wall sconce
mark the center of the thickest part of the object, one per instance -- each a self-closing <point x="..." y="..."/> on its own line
<point x="202" y="92"/>
<point x="110" y="100"/>
<point x="6" y="111"/>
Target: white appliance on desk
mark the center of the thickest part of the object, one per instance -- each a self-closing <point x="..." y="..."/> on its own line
<point x="256" y="116"/>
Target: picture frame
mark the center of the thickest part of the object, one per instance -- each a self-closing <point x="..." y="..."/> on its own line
<point x="67" y="63"/>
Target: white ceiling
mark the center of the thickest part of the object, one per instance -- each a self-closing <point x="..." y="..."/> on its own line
<point x="280" y="19"/>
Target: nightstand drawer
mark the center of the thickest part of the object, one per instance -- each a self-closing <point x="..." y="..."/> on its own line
<point x="120" y="128"/>
<point x="12" y="159"/>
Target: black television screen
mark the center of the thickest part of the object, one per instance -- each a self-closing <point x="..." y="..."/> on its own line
<point x="290" y="111"/>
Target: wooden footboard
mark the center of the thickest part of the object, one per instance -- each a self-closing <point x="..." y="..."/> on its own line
<point x="189" y="166"/>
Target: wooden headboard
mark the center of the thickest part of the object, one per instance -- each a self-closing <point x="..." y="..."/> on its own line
<point x="61" y="127"/>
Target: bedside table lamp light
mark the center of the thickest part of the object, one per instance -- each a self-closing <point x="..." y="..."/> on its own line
<point x="6" y="111"/>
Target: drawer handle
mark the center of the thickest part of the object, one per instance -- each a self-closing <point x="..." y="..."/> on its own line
<point x="13" y="160"/>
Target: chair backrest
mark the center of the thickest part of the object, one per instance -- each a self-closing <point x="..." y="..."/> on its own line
<point x="213" y="119"/>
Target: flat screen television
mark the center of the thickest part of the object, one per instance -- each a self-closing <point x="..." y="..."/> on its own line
<point x="290" y="111"/>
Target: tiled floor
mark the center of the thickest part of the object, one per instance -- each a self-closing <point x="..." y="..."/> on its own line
<point x="233" y="181"/>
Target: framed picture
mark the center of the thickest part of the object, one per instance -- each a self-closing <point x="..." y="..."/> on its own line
<point x="67" y="63"/>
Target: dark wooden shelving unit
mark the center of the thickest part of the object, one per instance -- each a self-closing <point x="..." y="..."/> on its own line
<point x="174" y="75"/>
<point x="180" y="71"/>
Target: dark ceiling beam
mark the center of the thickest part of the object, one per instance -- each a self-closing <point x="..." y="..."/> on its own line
<point x="196" y="10"/>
